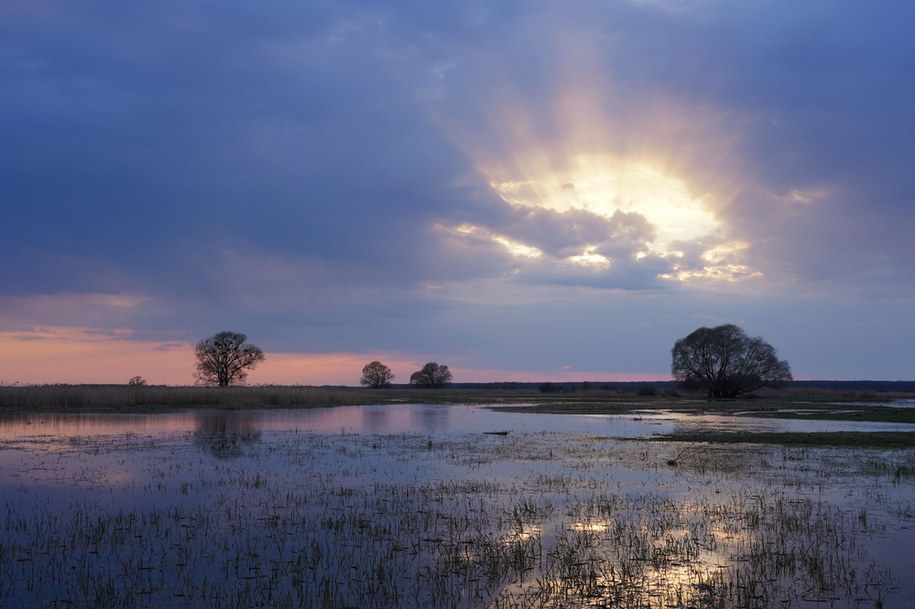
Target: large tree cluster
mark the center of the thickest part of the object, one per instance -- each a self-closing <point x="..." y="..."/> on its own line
<point x="726" y="362"/>
<point x="432" y="375"/>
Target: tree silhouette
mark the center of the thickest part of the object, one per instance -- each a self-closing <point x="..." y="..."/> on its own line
<point x="726" y="362"/>
<point x="224" y="359"/>
<point x="376" y="375"/>
<point x="432" y="375"/>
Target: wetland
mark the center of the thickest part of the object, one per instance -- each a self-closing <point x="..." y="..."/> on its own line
<point x="436" y="505"/>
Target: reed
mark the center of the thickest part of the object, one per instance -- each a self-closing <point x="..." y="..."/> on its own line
<point x="385" y="521"/>
<point x="133" y="398"/>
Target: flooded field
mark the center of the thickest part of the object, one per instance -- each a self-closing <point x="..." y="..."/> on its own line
<point x="444" y="506"/>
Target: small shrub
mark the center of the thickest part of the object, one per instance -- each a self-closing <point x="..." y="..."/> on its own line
<point x="646" y="391"/>
<point x="548" y="388"/>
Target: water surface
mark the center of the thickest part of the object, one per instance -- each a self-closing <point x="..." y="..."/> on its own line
<point x="425" y="506"/>
<point x="393" y="419"/>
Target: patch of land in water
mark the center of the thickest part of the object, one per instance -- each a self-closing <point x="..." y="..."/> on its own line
<point x="779" y="407"/>
<point x="844" y="439"/>
<point x="813" y="409"/>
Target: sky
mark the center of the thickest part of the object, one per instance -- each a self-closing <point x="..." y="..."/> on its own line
<point x="523" y="190"/>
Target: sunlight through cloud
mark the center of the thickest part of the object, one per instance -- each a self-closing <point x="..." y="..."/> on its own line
<point x="591" y="259"/>
<point x="513" y="247"/>
<point x="604" y="185"/>
<point x="719" y="263"/>
<point x="593" y="192"/>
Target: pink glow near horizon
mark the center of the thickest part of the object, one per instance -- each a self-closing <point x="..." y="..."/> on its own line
<point x="472" y="375"/>
<point x="80" y="355"/>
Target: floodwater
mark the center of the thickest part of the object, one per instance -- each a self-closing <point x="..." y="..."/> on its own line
<point x="901" y="403"/>
<point x="444" y="506"/>
<point x="394" y="419"/>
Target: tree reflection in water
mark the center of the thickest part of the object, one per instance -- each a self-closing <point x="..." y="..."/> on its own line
<point x="225" y="434"/>
<point x="430" y="418"/>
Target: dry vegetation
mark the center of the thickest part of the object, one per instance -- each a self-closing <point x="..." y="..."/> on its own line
<point x="586" y="399"/>
<point x="124" y="397"/>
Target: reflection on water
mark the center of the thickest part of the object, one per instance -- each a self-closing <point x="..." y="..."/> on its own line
<point x="422" y="506"/>
<point x="375" y="420"/>
<point x="431" y="418"/>
<point x="237" y="428"/>
<point x="224" y="434"/>
<point x="690" y="423"/>
<point x="904" y="403"/>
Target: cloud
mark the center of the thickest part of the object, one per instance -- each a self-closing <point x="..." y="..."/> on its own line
<point x="78" y="309"/>
<point x="305" y="172"/>
<point x="766" y="116"/>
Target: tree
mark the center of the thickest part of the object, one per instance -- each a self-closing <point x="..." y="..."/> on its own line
<point x="137" y="381"/>
<point x="726" y="362"/>
<point x="376" y="375"/>
<point x="432" y="375"/>
<point x="224" y="359"/>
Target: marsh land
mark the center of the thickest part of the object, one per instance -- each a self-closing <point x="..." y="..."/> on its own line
<point x="521" y="500"/>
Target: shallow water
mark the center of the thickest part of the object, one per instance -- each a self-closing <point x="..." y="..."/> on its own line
<point x="901" y="403"/>
<point x="422" y="506"/>
<point x="392" y="419"/>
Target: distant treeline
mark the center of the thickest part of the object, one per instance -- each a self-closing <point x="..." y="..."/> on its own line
<point x="669" y="386"/>
<point x="875" y="386"/>
<point x="522" y="386"/>
<point x="155" y="397"/>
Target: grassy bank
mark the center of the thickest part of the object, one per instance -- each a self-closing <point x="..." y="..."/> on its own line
<point x="810" y="405"/>
<point x="151" y="398"/>
<point x="161" y="397"/>
<point x="846" y="439"/>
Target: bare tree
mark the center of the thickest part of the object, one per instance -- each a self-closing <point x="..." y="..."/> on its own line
<point x="432" y="375"/>
<point x="726" y="362"/>
<point x="224" y="359"/>
<point x="376" y="375"/>
<point x="137" y="381"/>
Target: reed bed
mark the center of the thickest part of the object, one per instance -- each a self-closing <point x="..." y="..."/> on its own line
<point x="477" y="521"/>
<point x="154" y="397"/>
<point x="62" y="397"/>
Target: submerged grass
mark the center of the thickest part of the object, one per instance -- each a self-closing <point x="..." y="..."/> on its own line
<point x="472" y="521"/>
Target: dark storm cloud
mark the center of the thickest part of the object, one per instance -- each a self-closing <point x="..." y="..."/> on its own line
<point x="139" y="137"/>
<point x="567" y="233"/>
<point x="157" y="130"/>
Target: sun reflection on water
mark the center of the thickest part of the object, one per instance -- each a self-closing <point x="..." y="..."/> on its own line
<point x="452" y="518"/>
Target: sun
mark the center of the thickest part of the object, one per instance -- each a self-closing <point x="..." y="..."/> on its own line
<point x="640" y="195"/>
<point x="603" y="185"/>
